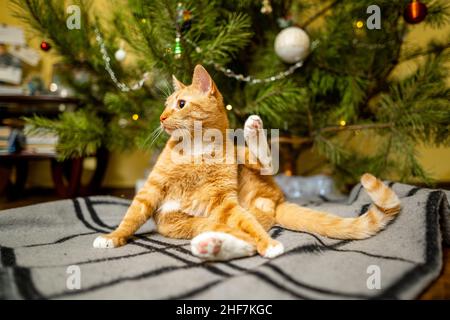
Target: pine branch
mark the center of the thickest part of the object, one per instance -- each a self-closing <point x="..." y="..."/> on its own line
<point x="317" y="133"/>
<point x="438" y="14"/>
<point x="319" y="13"/>
<point x="424" y="53"/>
<point x="355" y="127"/>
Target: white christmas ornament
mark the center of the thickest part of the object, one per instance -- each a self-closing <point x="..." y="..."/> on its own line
<point x="292" y="45"/>
<point x="120" y="54"/>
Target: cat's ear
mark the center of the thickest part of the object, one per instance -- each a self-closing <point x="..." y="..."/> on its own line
<point x="177" y="85"/>
<point x="203" y="81"/>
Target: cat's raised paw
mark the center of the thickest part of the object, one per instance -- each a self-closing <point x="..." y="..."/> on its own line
<point x="220" y="246"/>
<point x="274" y="250"/>
<point x="252" y="125"/>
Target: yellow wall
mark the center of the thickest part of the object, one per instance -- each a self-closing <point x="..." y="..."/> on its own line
<point x="124" y="169"/>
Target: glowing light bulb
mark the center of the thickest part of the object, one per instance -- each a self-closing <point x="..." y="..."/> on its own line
<point x="229" y="107"/>
<point x="53" y="87"/>
<point x="359" y="24"/>
<point x="342" y="123"/>
<point x="120" y="54"/>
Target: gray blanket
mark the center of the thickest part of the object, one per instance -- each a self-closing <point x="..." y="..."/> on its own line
<point x="38" y="244"/>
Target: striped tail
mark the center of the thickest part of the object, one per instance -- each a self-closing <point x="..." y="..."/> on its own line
<point x="385" y="207"/>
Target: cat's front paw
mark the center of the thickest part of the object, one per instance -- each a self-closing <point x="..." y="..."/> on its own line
<point x="108" y="241"/>
<point x="252" y="126"/>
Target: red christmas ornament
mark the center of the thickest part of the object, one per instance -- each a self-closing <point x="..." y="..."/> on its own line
<point x="45" y="46"/>
<point x="415" y="12"/>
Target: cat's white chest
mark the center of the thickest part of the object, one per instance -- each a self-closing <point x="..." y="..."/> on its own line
<point x="170" y="206"/>
<point x="194" y="209"/>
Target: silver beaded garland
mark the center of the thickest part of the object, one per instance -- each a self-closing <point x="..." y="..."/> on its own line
<point x="252" y="80"/>
<point x="227" y="72"/>
<point x="123" y="87"/>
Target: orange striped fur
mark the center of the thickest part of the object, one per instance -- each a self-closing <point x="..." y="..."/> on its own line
<point x="189" y="199"/>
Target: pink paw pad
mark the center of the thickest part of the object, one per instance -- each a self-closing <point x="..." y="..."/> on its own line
<point x="210" y="245"/>
<point x="256" y="124"/>
<point x="252" y="123"/>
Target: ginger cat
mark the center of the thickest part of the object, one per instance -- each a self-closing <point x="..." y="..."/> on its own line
<point x="226" y="208"/>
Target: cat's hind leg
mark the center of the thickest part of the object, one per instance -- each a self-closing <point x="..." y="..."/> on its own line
<point x="210" y="240"/>
<point x="264" y="211"/>
<point x="221" y="246"/>
<point x="236" y="217"/>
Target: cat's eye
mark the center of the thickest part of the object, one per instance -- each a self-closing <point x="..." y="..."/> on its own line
<point x="181" y="104"/>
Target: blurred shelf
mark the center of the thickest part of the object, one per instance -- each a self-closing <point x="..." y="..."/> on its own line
<point x="17" y="106"/>
<point x="24" y="99"/>
<point x="27" y="155"/>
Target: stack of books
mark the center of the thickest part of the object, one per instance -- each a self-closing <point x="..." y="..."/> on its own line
<point x="5" y="133"/>
<point x="41" y="142"/>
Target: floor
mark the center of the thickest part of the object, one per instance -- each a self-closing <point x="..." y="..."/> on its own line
<point x="39" y="195"/>
<point x="439" y="289"/>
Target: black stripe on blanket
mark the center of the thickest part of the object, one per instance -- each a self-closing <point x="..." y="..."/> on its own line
<point x="61" y="240"/>
<point x="300" y="284"/>
<point x="25" y="284"/>
<point x="7" y="257"/>
<point x="142" y="276"/>
<point x="20" y="277"/>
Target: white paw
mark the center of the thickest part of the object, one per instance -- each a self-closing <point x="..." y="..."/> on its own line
<point x="274" y="251"/>
<point x="220" y="246"/>
<point x="102" y="243"/>
<point x="252" y="125"/>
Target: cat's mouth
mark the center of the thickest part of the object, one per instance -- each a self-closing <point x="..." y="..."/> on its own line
<point x="174" y="128"/>
<point x="167" y="129"/>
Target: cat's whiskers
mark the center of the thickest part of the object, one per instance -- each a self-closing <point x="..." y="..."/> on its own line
<point x="164" y="88"/>
<point x="155" y="132"/>
<point x="159" y="130"/>
<point x="150" y="135"/>
<point x="153" y="136"/>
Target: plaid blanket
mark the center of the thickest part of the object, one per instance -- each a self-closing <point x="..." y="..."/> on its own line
<point x="46" y="253"/>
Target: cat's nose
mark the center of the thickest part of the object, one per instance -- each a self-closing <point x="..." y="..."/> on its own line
<point x="162" y="117"/>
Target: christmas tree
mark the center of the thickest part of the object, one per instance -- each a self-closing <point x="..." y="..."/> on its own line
<point x="334" y="93"/>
